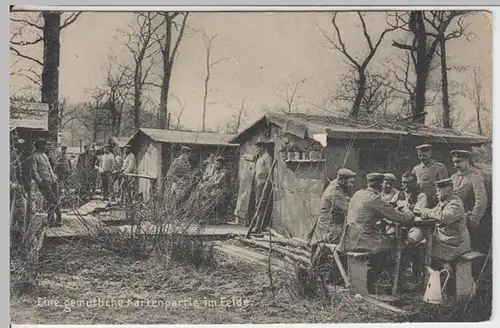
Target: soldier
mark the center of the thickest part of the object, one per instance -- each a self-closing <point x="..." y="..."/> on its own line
<point x="178" y="178"/>
<point x="46" y="181"/>
<point x="208" y="165"/>
<point x="263" y="187"/>
<point x="409" y="199"/>
<point x="388" y="190"/>
<point x="451" y="236"/>
<point x="330" y="223"/>
<point x="63" y="168"/>
<point x="212" y="193"/>
<point x="334" y="205"/>
<point x="364" y="230"/>
<point x="468" y="185"/>
<point x="127" y="182"/>
<point x="428" y="172"/>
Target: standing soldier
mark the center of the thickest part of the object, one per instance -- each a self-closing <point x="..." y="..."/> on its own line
<point x="46" y="181"/>
<point x="334" y="205"/>
<point x="330" y="223"/>
<point x="129" y="167"/>
<point x="468" y="185"/>
<point x="388" y="190"/>
<point x="208" y="165"/>
<point x="262" y="186"/>
<point x="212" y="193"/>
<point x="428" y="172"/>
<point x="178" y="178"/>
<point x="106" y="168"/>
<point x="63" y="168"/>
<point x="451" y="237"/>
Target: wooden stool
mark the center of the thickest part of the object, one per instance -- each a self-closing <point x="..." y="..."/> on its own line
<point x="357" y="266"/>
<point x="464" y="281"/>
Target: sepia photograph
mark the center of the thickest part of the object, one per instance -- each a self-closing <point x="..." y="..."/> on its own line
<point x="250" y="167"/>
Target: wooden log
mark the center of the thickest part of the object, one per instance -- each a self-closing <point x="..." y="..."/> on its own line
<point x="286" y="241"/>
<point x="288" y="246"/>
<point x="278" y="249"/>
<point x="274" y="233"/>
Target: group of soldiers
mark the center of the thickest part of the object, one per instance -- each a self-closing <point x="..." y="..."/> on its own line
<point x="365" y="220"/>
<point x="112" y="169"/>
<point x="51" y="170"/>
<point x="199" y="193"/>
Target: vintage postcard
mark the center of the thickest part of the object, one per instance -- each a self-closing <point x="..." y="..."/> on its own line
<point x="171" y="167"/>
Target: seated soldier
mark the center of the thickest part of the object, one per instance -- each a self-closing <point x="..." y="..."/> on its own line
<point x="451" y="237"/>
<point x="363" y="230"/>
<point x="409" y="199"/>
<point x="388" y="190"/>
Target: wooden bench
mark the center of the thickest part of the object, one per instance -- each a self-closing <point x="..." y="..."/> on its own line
<point x="357" y="267"/>
<point x="464" y="281"/>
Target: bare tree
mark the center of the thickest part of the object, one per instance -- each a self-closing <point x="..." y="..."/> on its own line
<point x="67" y="113"/>
<point x="140" y="44"/>
<point x="290" y="92"/>
<point x="237" y="119"/>
<point x="442" y="35"/>
<point x="182" y="107"/>
<point x="208" y="65"/>
<point x="402" y="83"/>
<point x="422" y="25"/>
<point x="169" y="46"/>
<point x="359" y="65"/>
<point x="475" y="94"/>
<point x="47" y="32"/>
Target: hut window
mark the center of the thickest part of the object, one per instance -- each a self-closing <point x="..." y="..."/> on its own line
<point x="373" y="158"/>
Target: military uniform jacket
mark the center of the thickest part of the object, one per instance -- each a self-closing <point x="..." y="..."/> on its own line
<point x="451" y="236"/>
<point x="469" y="187"/>
<point x="389" y="196"/>
<point x="178" y="173"/>
<point x="334" y="206"/>
<point x="426" y="176"/>
<point x="366" y="208"/>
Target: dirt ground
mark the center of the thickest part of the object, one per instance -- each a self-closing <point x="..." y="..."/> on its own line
<point x="86" y="284"/>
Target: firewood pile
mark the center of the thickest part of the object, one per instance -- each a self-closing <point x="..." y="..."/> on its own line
<point x="293" y="250"/>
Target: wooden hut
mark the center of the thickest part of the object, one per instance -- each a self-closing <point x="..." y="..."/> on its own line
<point x="300" y="179"/>
<point x="155" y="149"/>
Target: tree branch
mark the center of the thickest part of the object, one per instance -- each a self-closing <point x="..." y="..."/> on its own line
<point x="19" y="54"/>
<point x="70" y="20"/>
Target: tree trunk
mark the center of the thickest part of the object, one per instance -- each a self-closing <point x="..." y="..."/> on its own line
<point x="205" y="95"/>
<point x="421" y="68"/>
<point x="167" y="70"/>
<point x="137" y="104"/>
<point x="360" y="93"/>
<point x="444" y="85"/>
<point x="50" y="73"/>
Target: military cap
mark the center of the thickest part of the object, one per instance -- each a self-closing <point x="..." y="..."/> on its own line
<point x="219" y="159"/>
<point x="40" y="140"/>
<point x="459" y="153"/>
<point x="444" y="183"/>
<point x="185" y="149"/>
<point x="345" y="173"/>
<point x="424" y="148"/>
<point x="390" y="177"/>
<point x="375" y="176"/>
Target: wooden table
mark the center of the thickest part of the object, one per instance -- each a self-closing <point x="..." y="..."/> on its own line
<point x="427" y="227"/>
